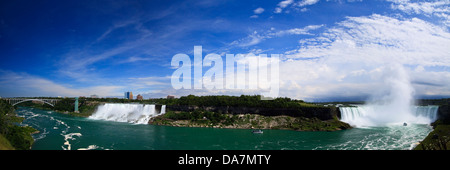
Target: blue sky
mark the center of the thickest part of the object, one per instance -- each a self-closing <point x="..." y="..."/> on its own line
<point x="331" y="49"/>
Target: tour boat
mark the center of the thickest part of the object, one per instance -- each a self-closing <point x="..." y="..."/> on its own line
<point x="259" y="131"/>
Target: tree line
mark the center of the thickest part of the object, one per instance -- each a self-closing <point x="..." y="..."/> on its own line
<point x="234" y="101"/>
<point x="67" y="104"/>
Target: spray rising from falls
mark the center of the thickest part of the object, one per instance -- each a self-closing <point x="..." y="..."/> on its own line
<point x="364" y="115"/>
<point x="131" y="113"/>
<point x="391" y="103"/>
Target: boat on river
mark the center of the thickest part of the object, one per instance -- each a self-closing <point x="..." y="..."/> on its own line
<point x="259" y="131"/>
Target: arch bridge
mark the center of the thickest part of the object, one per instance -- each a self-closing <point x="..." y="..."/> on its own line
<point x="15" y="101"/>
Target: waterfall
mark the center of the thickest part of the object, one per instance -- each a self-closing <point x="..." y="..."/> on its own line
<point x="426" y="112"/>
<point x="371" y="115"/>
<point x="352" y="115"/>
<point x="163" y="109"/>
<point x="390" y="103"/>
<point x="131" y="113"/>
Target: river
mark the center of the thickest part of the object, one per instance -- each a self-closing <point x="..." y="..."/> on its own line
<point x="64" y="132"/>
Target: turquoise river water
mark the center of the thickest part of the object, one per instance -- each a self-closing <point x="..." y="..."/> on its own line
<point x="63" y="132"/>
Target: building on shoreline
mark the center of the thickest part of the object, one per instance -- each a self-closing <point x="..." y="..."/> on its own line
<point x="128" y="95"/>
<point x="139" y="97"/>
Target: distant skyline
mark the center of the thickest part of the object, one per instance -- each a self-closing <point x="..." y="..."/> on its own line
<point x="331" y="50"/>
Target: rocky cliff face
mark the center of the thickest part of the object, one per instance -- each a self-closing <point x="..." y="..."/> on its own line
<point x="444" y="113"/>
<point x="322" y="113"/>
<point x="255" y="121"/>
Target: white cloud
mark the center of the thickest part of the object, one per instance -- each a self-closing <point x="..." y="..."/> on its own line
<point x="354" y="58"/>
<point x="282" y="5"/>
<point x="436" y="8"/>
<point x="285" y="3"/>
<point x="147" y="82"/>
<point x="278" y="10"/>
<point x="301" y="6"/>
<point x="80" y="65"/>
<point x="133" y="59"/>
<point x="14" y="84"/>
<point x="299" y="31"/>
<point x="349" y="59"/>
<point x="258" y="10"/>
<point x="422" y="7"/>
<point x="256" y="37"/>
<point x="22" y="84"/>
<point x="252" y="39"/>
<point x="307" y="2"/>
<point x="411" y="41"/>
<point x="248" y="79"/>
<point x="144" y="32"/>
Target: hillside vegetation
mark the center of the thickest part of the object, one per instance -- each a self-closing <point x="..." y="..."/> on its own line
<point x="13" y="136"/>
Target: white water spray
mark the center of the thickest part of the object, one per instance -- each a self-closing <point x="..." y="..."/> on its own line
<point x="391" y="103"/>
<point x="363" y="116"/>
<point x="131" y="113"/>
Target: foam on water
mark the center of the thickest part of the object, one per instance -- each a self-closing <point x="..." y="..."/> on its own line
<point x="90" y="147"/>
<point x="68" y="137"/>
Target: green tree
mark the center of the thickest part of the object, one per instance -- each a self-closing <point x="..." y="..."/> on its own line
<point x="66" y="104"/>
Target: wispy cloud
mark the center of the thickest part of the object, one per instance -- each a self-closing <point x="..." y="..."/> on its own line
<point x="133" y="59"/>
<point x="250" y="40"/>
<point x="150" y="81"/>
<point x="439" y="9"/>
<point x="257" y="37"/>
<point x="79" y="65"/>
<point x="14" y="84"/>
<point x="286" y="3"/>
<point x="302" y="5"/>
<point x="282" y="5"/>
<point x="307" y="2"/>
<point x="299" y="31"/>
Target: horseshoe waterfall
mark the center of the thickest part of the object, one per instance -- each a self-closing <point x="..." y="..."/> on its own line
<point x="391" y="103"/>
<point x="371" y="115"/>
